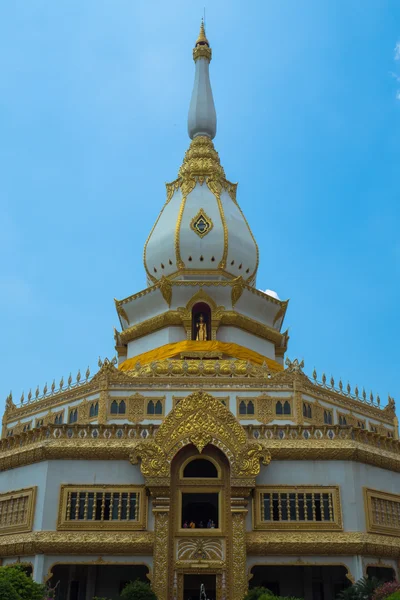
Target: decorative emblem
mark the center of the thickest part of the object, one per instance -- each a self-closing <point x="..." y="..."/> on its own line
<point x="201" y="224"/>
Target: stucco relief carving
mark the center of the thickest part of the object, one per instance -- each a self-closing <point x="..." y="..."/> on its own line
<point x="200" y="419"/>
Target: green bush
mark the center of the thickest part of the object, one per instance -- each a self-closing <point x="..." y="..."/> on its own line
<point x="7" y="591"/>
<point x="22" y="584"/>
<point x="386" y="589"/>
<point x="256" y="593"/>
<point x="138" y="590"/>
<point x="262" y="593"/>
<point x="363" y="589"/>
<point x="394" y="596"/>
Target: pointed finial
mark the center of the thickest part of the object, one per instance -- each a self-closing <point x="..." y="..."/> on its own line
<point x="202" y="39"/>
<point x="53" y="386"/>
<point x="202" y="119"/>
<point x="87" y="374"/>
<point x="314" y="374"/>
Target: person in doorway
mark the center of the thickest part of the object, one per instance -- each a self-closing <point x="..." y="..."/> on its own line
<point x="209" y="524"/>
<point x="185" y="525"/>
<point x="192" y="525"/>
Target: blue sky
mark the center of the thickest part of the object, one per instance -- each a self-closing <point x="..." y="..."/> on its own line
<point x="93" y="104"/>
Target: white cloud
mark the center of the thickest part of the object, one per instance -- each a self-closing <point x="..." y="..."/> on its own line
<point x="397" y="51"/>
<point x="398" y="95"/>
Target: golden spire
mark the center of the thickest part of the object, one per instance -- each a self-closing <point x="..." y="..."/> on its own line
<point x="202" y="39"/>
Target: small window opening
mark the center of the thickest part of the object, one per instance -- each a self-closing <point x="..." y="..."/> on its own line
<point x="200" y="467"/>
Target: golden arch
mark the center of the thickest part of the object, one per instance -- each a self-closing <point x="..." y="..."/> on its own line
<point x="186" y="313"/>
<point x="200" y="419"/>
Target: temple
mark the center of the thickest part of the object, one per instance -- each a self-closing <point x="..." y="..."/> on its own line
<point x="200" y="454"/>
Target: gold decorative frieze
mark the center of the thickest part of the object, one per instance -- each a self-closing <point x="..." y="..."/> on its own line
<point x="382" y="512"/>
<point x="297" y="507"/>
<point x="77" y="542"/>
<point x="109" y="507"/>
<point x="200" y="549"/>
<point x="315" y="543"/>
<point x="17" y="511"/>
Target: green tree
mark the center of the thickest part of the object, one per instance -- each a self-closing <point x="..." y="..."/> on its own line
<point x="394" y="596"/>
<point x="22" y="584"/>
<point x="7" y="591"/>
<point x="138" y="590"/>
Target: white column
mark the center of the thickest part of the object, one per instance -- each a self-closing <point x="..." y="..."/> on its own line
<point x="358" y="571"/>
<point x="38" y="568"/>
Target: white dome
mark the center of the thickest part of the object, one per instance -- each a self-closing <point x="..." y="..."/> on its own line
<point x="201" y="231"/>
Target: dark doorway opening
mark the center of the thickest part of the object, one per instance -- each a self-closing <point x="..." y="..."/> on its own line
<point x="200" y="509"/>
<point x="325" y="581"/>
<point x="382" y="573"/>
<point x="192" y="583"/>
<point x="201" y="309"/>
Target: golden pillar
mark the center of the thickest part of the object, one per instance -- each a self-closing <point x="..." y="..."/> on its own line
<point x="238" y="552"/>
<point x="161" y="503"/>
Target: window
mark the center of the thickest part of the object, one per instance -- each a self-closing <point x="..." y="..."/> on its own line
<point x="200" y="510"/>
<point x="200" y="467"/>
<point x="342" y="420"/>
<point x="155" y="407"/>
<point x="298" y="507"/>
<point x="307" y="410"/>
<point x="373" y="428"/>
<point x="383" y="512"/>
<point x="99" y="506"/>
<point x="118" y="407"/>
<point x="27" y="426"/>
<point x="361" y="424"/>
<point x="390" y="434"/>
<point x="39" y="423"/>
<point x="283" y="408"/>
<point x="17" y="511"/>
<point x="73" y="416"/>
<point x="246" y="408"/>
<point x="9" y="432"/>
<point x="58" y="419"/>
<point x="93" y="410"/>
<point x="328" y="419"/>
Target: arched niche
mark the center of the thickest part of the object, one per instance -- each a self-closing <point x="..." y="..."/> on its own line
<point x="201" y="313"/>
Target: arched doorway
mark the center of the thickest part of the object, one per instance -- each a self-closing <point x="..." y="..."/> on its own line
<point x="201" y="313"/>
<point x="200" y="520"/>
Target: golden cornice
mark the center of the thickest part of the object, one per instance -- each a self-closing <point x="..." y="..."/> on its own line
<point x="321" y="543"/>
<point x="79" y="542"/>
<point x="202" y="52"/>
<point x="333" y="397"/>
<point x="232" y="281"/>
<point x="52" y="443"/>
<point x="232" y="318"/>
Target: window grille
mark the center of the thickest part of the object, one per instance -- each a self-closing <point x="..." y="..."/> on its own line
<point x="17" y="511"/>
<point x="299" y="508"/>
<point x="383" y="512"/>
<point x="105" y="507"/>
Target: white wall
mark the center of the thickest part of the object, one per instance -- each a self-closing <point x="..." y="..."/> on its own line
<point x="350" y="476"/>
<point x="49" y="475"/>
<point x="238" y="336"/>
<point x="168" y="335"/>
